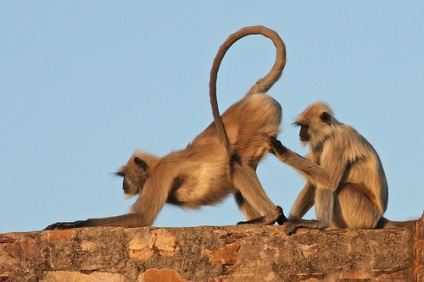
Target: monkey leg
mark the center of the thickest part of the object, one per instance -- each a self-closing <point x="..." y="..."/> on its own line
<point x="245" y="207"/>
<point x="356" y="207"/>
<point x="324" y="205"/>
<point x="261" y="150"/>
<point x="252" y="214"/>
<point x="247" y="182"/>
<point x="304" y="201"/>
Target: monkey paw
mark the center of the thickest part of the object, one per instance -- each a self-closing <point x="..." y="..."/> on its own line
<point x="281" y="217"/>
<point x="65" y="225"/>
<point x="277" y="146"/>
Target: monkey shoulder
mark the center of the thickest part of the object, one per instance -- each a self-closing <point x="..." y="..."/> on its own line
<point x="349" y="142"/>
<point x="345" y="142"/>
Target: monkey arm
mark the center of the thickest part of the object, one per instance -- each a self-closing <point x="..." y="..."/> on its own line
<point x="143" y="215"/>
<point x="328" y="175"/>
<point x="324" y="203"/>
<point x="153" y="197"/>
<point x="144" y="210"/>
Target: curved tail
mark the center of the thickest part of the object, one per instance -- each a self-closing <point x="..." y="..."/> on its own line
<point x="384" y="223"/>
<point x="261" y="86"/>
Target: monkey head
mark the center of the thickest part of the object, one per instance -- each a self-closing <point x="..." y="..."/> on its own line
<point x="136" y="172"/>
<point x="316" y="124"/>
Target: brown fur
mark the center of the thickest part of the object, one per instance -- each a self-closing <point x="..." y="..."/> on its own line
<point x="221" y="160"/>
<point x="346" y="180"/>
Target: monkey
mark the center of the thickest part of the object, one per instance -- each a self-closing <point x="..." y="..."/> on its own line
<point x="345" y="177"/>
<point x="220" y="161"/>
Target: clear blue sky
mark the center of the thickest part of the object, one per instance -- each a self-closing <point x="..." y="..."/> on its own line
<point x="84" y="84"/>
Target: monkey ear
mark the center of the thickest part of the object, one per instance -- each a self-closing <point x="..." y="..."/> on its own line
<point x="142" y="164"/>
<point x="326" y="117"/>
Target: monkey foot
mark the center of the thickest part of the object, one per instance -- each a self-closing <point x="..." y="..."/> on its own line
<point x="292" y="225"/>
<point x="262" y="220"/>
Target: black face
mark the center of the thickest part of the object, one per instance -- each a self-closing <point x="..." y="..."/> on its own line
<point x="134" y="176"/>
<point x="303" y="133"/>
<point x="125" y="185"/>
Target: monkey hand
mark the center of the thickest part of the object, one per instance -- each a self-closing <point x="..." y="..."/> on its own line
<point x="276" y="146"/>
<point x="65" y="225"/>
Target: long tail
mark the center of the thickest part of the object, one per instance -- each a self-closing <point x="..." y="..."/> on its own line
<point x="261" y="86"/>
<point x="384" y="223"/>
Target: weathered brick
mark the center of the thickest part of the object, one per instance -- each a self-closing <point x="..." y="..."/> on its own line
<point x="159" y="241"/>
<point x="27" y="248"/>
<point x="71" y="276"/>
<point x="138" y="248"/>
<point x="59" y="234"/>
<point x="419" y="274"/>
<point x="227" y="253"/>
<point x="163" y="241"/>
<point x="163" y="275"/>
<point x="6" y="239"/>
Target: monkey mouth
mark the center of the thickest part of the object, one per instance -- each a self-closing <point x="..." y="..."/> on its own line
<point x="127" y="191"/>
<point x="125" y="187"/>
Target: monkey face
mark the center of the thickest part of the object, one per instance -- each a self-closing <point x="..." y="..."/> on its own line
<point x="315" y="124"/>
<point x="135" y="174"/>
<point x="303" y="133"/>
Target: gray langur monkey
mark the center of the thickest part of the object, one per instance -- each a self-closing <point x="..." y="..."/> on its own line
<point x="345" y="177"/>
<point x="221" y="160"/>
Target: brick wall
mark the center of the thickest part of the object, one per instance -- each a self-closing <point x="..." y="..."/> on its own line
<point x="226" y="253"/>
